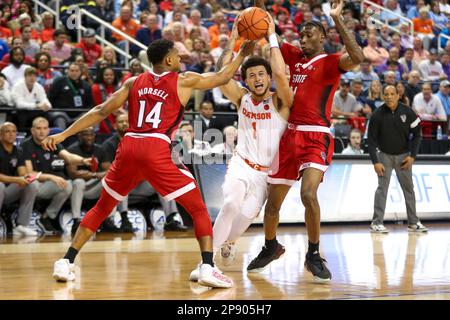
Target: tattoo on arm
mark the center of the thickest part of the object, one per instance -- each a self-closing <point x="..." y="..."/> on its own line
<point x="220" y="61"/>
<point x="350" y="43"/>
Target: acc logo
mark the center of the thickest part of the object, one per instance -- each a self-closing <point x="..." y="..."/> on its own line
<point x="158" y="219"/>
<point x="3" y="230"/>
<point x="35" y="216"/>
<point x="137" y="220"/>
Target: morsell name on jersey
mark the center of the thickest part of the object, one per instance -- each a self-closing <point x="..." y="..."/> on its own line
<point x="257" y="116"/>
<point x="155" y="92"/>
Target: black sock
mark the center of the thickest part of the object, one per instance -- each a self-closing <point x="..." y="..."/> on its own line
<point x="207" y="258"/>
<point x="313" y="248"/>
<point x="71" y="254"/>
<point x="271" y="244"/>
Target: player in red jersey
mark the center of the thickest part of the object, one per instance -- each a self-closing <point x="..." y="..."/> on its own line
<point x="306" y="147"/>
<point x="156" y="103"/>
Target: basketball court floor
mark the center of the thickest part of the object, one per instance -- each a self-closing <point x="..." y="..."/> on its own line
<point x="399" y="265"/>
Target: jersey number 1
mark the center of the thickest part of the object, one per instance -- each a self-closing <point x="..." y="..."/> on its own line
<point x="152" y="117"/>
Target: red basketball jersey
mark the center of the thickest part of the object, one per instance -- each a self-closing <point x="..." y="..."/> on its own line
<point x="314" y="82"/>
<point x="153" y="104"/>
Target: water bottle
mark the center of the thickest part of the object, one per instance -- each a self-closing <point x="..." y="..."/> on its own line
<point x="439" y="133"/>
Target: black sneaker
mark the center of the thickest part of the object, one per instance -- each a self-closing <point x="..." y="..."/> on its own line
<point x="314" y="263"/>
<point x="264" y="258"/>
<point x="75" y="225"/>
<point x="174" y="225"/>
<point x="47" y="226"/>
<point x="126" y="225"/>
<point x="109" y="226"/>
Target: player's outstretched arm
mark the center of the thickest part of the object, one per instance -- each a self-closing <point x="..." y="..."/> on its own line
<point x="355" y="55"/>
<point x="285" y="96"/>
<point x="94" y="116"/>
<point x="209" y="80"/>
<point x="259" y="4"/>
<point x="231" y="90"/>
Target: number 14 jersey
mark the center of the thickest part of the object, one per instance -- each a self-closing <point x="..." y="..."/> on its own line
<point x="153" y="104"/>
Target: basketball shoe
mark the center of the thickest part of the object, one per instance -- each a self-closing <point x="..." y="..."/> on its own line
<point x="210" y="276"/>
<point x="195" y="273"/>
<point x="63" y="270"/>
<point x="315" y="264"/>
<point x="265" y="257"/>
<point x="418" y="227"/>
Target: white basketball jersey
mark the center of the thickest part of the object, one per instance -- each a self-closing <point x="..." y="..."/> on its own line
<point x="260" y="128"/>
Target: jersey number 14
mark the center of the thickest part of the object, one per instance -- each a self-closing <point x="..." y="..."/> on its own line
<point x="152" y="117"/>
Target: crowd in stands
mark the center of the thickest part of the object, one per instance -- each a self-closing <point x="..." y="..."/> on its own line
<point x="44" y="67"/>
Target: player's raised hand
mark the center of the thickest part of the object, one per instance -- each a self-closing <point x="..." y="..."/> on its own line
<point x="336" y="9"/>
<point x="271" y="28"/>
<point x="234" y="31"/>
<point x="247" y="48"/>
<point x="49" y="143"/>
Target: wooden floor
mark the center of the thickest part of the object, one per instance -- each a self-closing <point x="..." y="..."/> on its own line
<point x="364" y="266"/>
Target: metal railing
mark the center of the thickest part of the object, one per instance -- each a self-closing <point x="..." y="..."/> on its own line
<point x="103" y="41"/>
<point x="372" y="4"/>
<point x="55" y="12"/>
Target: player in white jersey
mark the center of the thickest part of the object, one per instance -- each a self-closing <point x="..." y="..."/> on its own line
<point x="262" y="121"/>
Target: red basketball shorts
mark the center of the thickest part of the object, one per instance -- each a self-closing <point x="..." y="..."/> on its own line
<point x="146" y="158"/>
<point x="301" y="147"/>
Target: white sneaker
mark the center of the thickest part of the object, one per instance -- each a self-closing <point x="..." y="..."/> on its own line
<point x="418" y="227"/>
<point x="22" y="230"/>
<point x="228" y="253"/>
<point x="63" y="270"/>
<point x="212" y="277"/>
<point x="378" y="228"/>
<point x="195" y="274"/>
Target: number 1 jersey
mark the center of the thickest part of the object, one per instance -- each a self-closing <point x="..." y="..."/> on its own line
<point x="153" y="104"/>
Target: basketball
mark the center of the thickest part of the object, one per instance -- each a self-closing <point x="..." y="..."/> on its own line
<point x="252" y="25"/>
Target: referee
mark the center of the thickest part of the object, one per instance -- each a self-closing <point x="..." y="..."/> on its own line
<point x="391" y="148"/>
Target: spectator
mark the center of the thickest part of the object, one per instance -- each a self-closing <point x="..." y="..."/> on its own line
<point x="101" y="11"/>
<point x="30" y="46"/>
<point x="15" y="184"/>
<point x="54" y="184"/>
<point x="15" y="71"/>
<point x="366" y="74"/>
<point x="91" y="50"/>
<point x="230" y="134"/>
<point x="358" y="91"/>
<point x="403" y="98"/>
<point x="375" y="54"/>
<point x="408" y="63"/>
<point x="445" y="61"/>
<point x="332" y="43"/>
<point x="5" y="93"/>
<point x="69" y="92"/>
<point x="217" y="52"/>
<point x="4" y="49"/>
<point x="392" y="19"/>
<point x="208" y="120"/>
<point x="354" y="145"/>
<point x="48" y="24"/>
<point x="29" y="95"/>
<point x="423" y="27"/>
<point x="135" y="70"/>
<point x="406" y="39"/>
<point x="218" y="18"/>
<point x="86" y="180"/>
<point x="351" y="26"/>
<point x="106" y="85"/>
<point x="385" y="39"/>
<point x="374" y="97"/>
<point x="428" y="106"/>
<point x="196" y="22"/>
<point x="285" y="23"/>
<point x="178" y="7"/>
<point x="85" y="72"/>
<point x="431" y="69"/>
<point x="24" y="21"/>
<point x="144" y="189"/>
<point x="148" y="33"/>
<point x="439" y="19"/>
<point x="153" y="8"/>
<point x="204" y="8"/>
<point x="393" y="60"/>
<point x="60" y="51"/>
<point x="444" y="6"/>
<point x="413" y="11"/>
<point x="412" y="87"/>
<point x="396" y="43"/>
<point x="344" y="103"/>
<point x="109" y="55"/>
<point x="444" y="96"/>
<point x="126" y="24"/>
<point x="391" y="77"/>
<point x="45" y="74"/>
